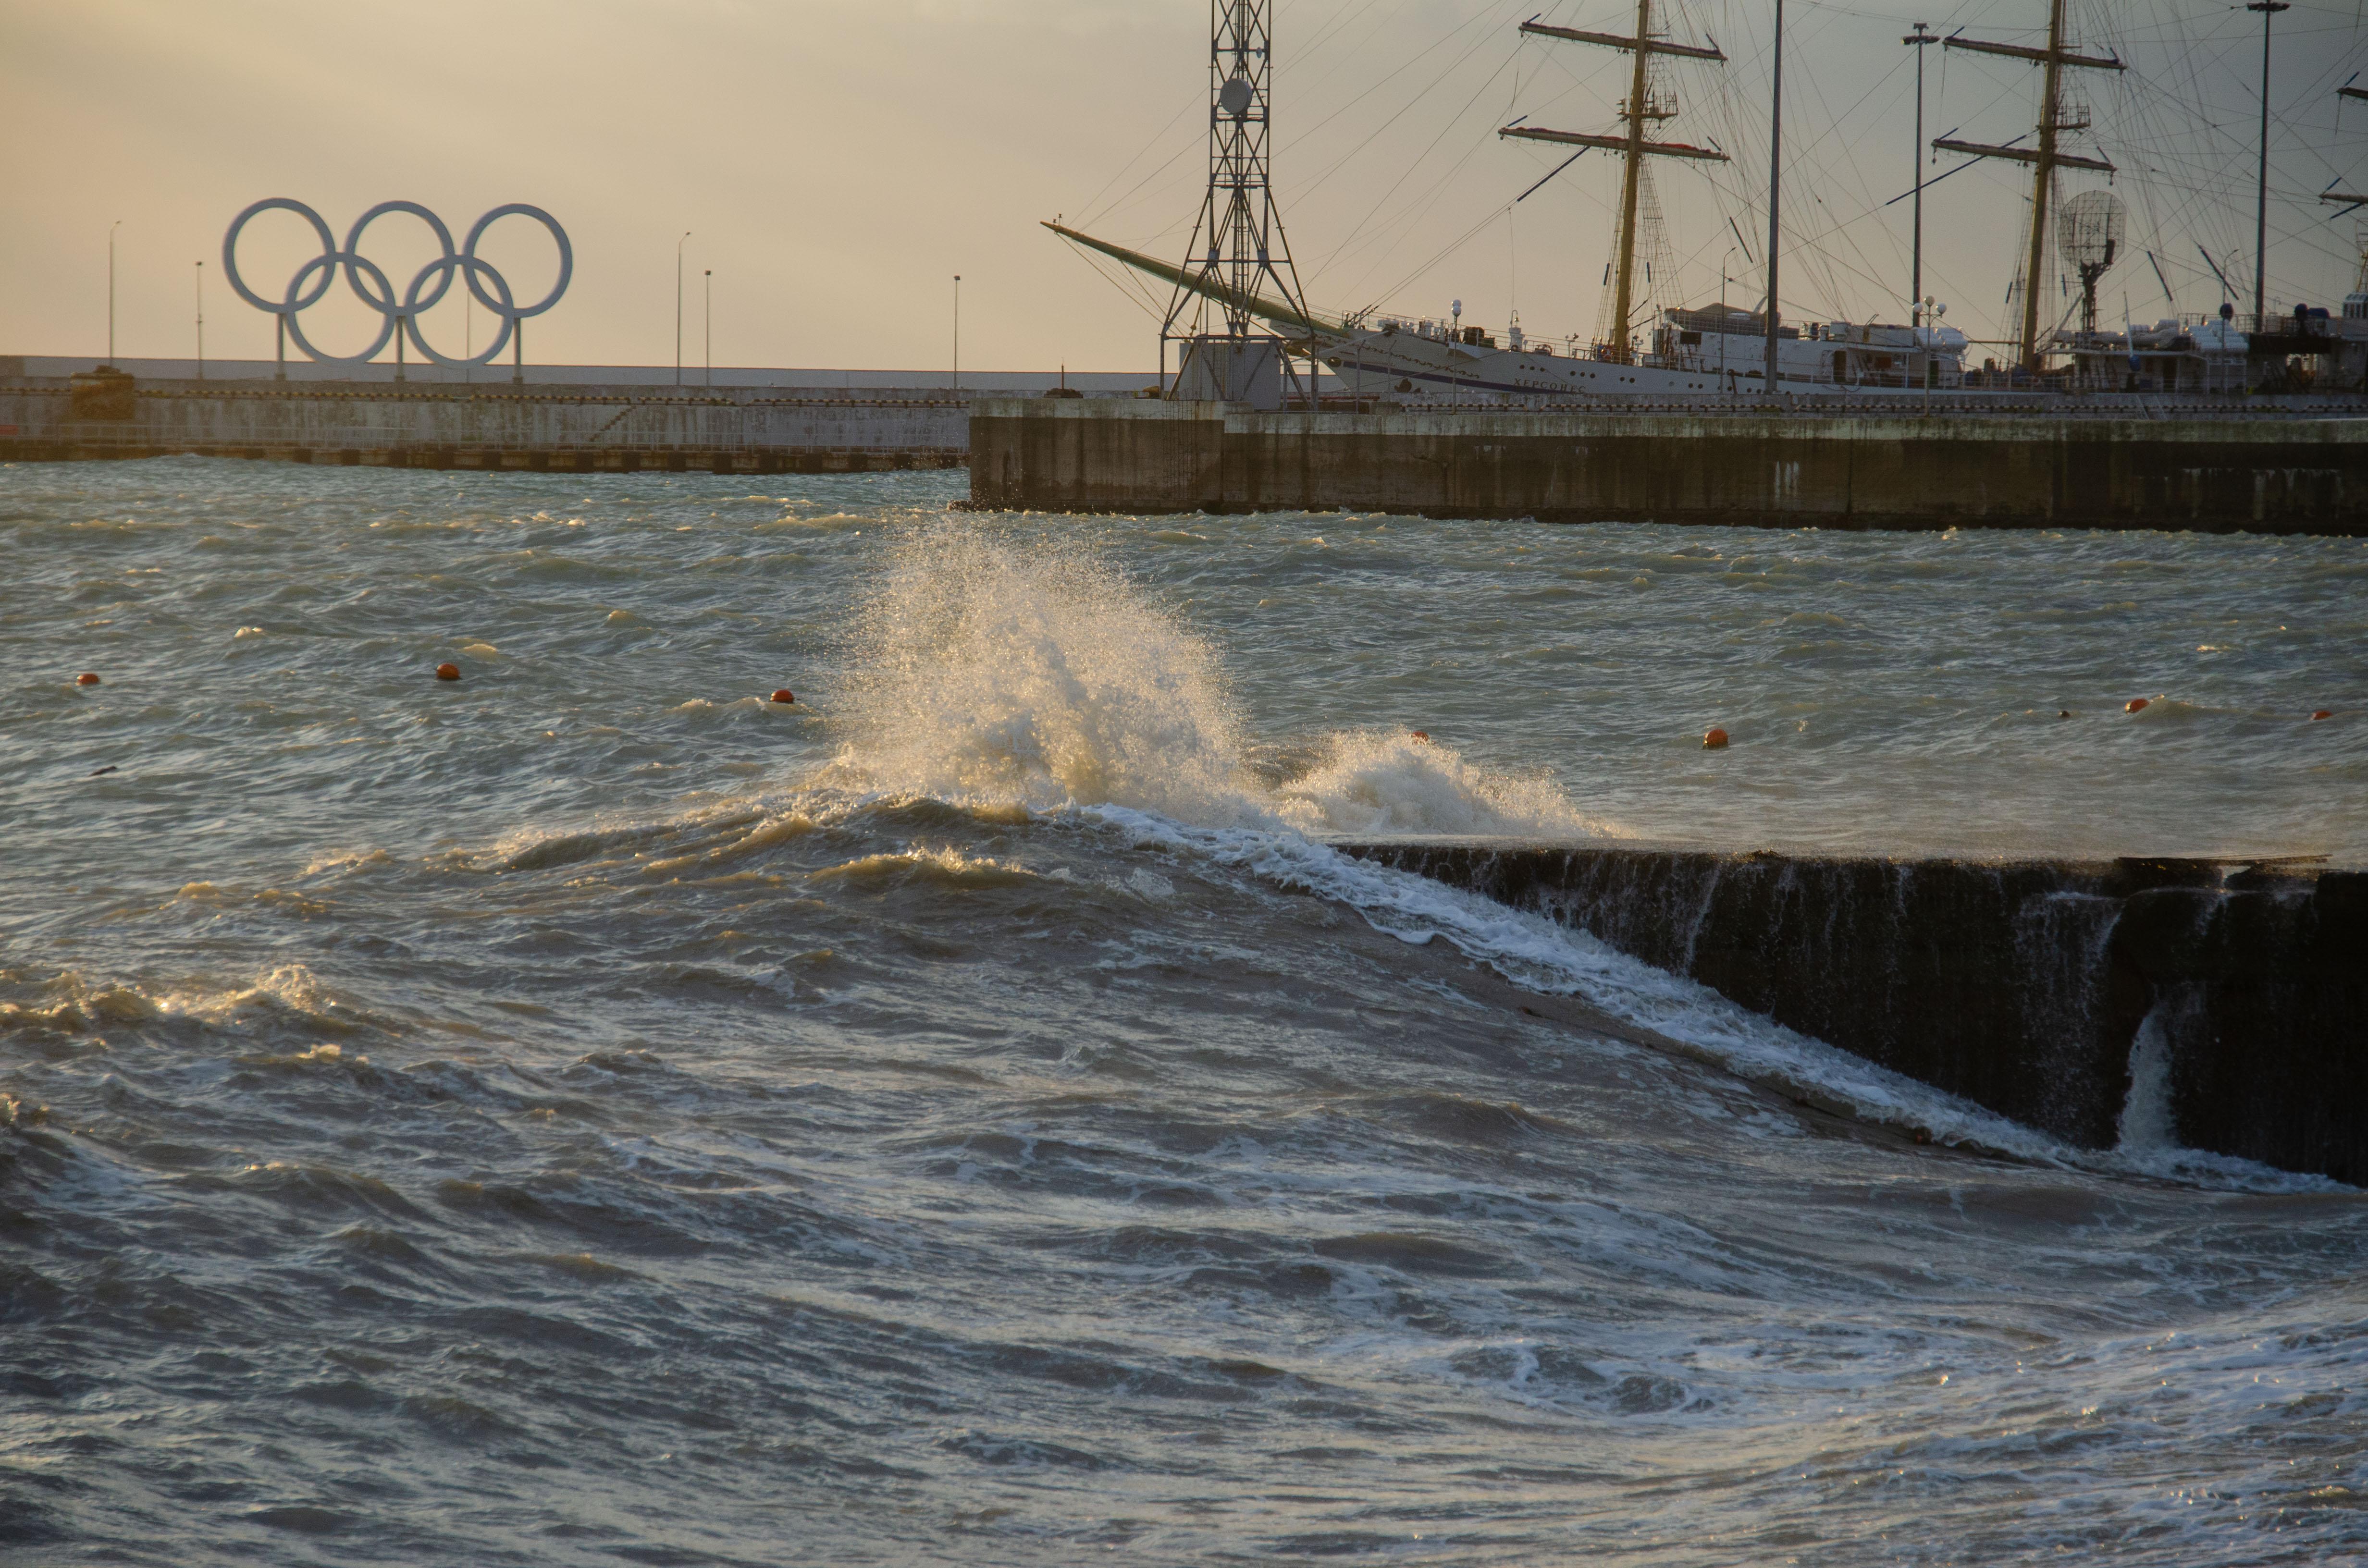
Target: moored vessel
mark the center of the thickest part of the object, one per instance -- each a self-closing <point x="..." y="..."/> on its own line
<point x="1649" y="351"/>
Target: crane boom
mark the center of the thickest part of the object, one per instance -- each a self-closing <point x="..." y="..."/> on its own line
<point x="1287" y="317"/>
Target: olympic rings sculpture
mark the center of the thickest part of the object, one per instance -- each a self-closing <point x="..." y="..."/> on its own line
<point x="434" y="280"/>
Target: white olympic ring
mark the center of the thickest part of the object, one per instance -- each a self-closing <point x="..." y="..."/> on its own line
<point x="402" y="315"/>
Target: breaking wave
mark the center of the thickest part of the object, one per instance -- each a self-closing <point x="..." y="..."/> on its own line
<point x="998" y="676"/>
<point x="993" y="674"/>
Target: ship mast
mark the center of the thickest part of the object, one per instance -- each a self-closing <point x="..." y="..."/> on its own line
<point x="2046" y="159"/>
<point x="1632" y="147"/>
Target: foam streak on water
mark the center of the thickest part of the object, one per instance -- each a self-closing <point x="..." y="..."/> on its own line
<point x="590" y="1113"/>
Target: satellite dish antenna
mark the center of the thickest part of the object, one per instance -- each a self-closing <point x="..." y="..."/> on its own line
<point x="1233" y="97"/>
<point x="2088" y="237"/>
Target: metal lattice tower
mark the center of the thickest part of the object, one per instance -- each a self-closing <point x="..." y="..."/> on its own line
<point x="1238" y="240"/>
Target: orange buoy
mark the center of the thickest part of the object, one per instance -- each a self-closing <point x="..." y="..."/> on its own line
<point x="2322" y="713"/>
<point x="448" y="671"/>
<point x="1422" y="736"/>
<point x="2133" y="704"/>
<point x="785" y="695"/>
<point x="1714" y="739"/>
<point x="86" y="678"/>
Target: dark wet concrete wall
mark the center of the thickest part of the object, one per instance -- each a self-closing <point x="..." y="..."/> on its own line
<point x="2020" y="985"/>
<point x="2220" y="470"/>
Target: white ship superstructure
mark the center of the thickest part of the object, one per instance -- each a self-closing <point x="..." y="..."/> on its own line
<point x="1718" y="350"/>
<point x="1695" y="353"/>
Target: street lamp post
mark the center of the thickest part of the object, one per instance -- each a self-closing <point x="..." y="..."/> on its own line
<point x="110" y="289"/>
<point x="1920" y="40"/>
<point x="1725" y="278"/>
<point x="956" y="332"/>
<point x="2268" y="8"/>
<point x="1775" y="175"/>
<point x="201" y="321"/>
<point x="708" y="303"/>
<point x="1454" y="332"/>
<point x="1929" y="311"/>
<point x="678" y="306"/>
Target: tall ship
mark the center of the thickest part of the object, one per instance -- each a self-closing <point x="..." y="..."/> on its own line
<point x="1238" y="277"/>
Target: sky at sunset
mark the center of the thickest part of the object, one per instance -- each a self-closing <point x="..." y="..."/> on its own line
<point x="835" y="162"/>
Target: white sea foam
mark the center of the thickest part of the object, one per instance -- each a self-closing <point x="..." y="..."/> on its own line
<point x="2148" y="1132"/>
<point x="1385" y="782"/>
<point x="999" y="675"/>
<point x="994" y="675"/>
<point x="1535" y="952"/>
<point x="2146" y="1129"/>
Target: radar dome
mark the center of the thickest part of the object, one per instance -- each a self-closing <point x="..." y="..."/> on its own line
<point x="2088" y="230"/>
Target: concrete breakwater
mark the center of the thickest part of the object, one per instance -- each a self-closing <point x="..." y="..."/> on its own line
<point x="543" y="427"/>
<point x="2278" y="473"/>
<point x="2233" y="994"/>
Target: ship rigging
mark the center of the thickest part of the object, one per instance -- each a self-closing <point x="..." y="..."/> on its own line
<point x="1238" y="275"/>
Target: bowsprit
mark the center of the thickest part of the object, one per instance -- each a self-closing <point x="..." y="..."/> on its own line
<point x="399" y="314"/>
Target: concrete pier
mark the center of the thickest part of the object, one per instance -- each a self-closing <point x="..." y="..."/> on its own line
<point x="2263" y="471"/>
<point x="544" y="427"/>
<point x="2023" y="986"/>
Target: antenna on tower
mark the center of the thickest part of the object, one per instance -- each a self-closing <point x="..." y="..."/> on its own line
<point x="1238" y="245"/>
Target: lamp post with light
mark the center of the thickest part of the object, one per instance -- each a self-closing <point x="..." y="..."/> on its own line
<point x="678" y="306"/>
<point x="1920" y="40"/>
<point x="110" y="289"/>
<point x="2268" y="8"/>
<point x="1725" y="278"/>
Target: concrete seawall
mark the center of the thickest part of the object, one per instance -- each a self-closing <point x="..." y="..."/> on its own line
<point x="2275" y="473"/>
<point x="578" y="428"/>
<point x="2023" y="986"/>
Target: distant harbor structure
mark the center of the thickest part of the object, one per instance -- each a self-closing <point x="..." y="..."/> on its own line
<point x="423" y="407"/>
<point x="1715" y="416"/>
<point x="1252" y="325"/>
<point x="581" y="418"/>
<point x="1848" y="404"/>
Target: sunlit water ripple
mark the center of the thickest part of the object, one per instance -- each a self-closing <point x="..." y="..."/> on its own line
<point x="590" y="1113"/>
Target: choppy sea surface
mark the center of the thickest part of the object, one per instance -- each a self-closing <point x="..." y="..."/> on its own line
<point x="588" y="1113"/>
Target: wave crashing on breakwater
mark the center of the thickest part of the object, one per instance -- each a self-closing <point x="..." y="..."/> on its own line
<point x="942" y="1128"/>
<point x="1043" y="679"/>
<point x="997" y="674"/>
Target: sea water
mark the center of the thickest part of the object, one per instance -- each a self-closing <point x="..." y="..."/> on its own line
<point x="591" y="1113"/>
